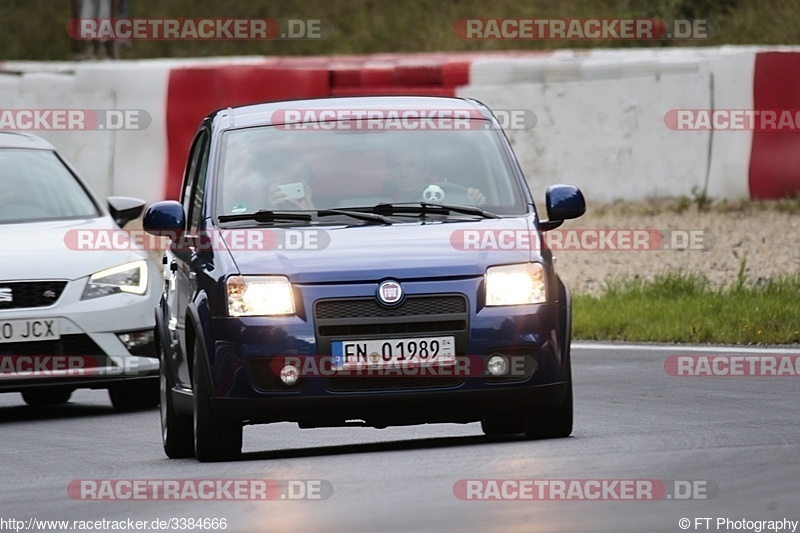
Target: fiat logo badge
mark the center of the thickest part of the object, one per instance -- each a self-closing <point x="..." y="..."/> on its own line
<point x="390" y="293"/>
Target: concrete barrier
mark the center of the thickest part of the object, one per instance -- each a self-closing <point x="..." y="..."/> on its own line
<point x="601" y="113"/>
<point x="775" y="160"/>
<point x="599" y="131"/>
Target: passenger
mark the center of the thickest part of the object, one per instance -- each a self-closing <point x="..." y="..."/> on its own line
<point x="411" y="172"/>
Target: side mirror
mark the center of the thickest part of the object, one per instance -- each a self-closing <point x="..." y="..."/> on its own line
<point x="124" y="209"/>
<point x="564" y="202"/>
<point x="165" y="219"/>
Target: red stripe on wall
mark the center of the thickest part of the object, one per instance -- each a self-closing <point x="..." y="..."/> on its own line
<point x="775" y="157"/>
<point x="196" y="91"/>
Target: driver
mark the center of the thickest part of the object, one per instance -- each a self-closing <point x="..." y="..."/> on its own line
<point x="268" y="181"/>
<point x="411" y="172"/>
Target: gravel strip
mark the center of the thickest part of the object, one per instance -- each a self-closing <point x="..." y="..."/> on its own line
<point x="766" y="234"/>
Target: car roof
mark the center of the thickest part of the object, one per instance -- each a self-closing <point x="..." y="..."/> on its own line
<point x="260" y="114"/>
<point x="15" y="139"/>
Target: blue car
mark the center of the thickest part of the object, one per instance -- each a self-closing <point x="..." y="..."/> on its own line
<point x="367" y="261"/>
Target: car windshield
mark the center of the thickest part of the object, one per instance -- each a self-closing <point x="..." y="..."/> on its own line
<point x="35" y="185"/>
<point x="279" y="168"/>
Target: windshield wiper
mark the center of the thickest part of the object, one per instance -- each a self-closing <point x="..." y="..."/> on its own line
<point x="366" y="217"/>
<point x="427" y="207"/>
<point x="266" y="216"/>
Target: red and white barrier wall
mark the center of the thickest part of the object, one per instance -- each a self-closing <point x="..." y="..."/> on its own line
<point x="600" y="113"/>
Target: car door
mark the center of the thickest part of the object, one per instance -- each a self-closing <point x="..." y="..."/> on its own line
<point x="182" y="256"/>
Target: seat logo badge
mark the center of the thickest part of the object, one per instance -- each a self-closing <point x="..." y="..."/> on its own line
<point x="390" y="293"/>
<point x="6" y="295"/>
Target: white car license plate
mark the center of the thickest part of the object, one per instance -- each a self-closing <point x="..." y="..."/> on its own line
<point x="421" y="351"/>
<point x="27" y="330"/>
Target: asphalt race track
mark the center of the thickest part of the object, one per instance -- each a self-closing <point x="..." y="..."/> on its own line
<point x="736" y="439"/>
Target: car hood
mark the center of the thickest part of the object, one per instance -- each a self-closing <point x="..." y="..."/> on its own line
<point x="46" y="250"/>
<point x="373" y="252"/>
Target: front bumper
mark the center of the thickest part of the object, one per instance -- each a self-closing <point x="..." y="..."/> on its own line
<point x="89" y="353"/>
<point x="392" y="408"/>
<point x="245" y="383"/>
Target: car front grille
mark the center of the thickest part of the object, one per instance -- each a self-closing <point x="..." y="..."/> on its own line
<point x="27" y="294"/>
<point x="80" y="351"/>
<point x="265" y="378"/>
<point x="364" y="318"/>
<point x="67" y="345"/>
<point x="392" y="328"/>
<point x="369" y="307"/>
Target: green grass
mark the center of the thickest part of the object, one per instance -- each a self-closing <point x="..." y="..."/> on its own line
<point x="685" y="307"/>
<point x="36" y="29"/>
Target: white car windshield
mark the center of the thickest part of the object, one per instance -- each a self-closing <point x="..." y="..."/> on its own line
<point x="35" y="185"/>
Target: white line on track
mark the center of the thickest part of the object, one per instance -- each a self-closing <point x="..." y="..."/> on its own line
<point x="683" y="348"/>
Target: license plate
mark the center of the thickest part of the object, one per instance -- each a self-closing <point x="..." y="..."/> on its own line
<point x="423" y="351"/>
<point x="26" y="330"/>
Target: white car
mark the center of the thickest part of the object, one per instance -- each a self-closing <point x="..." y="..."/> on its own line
<point x="70" y="316"/>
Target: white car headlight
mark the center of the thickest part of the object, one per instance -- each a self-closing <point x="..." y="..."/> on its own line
<point x="259" y="296"/>
<point x="130" y="278"/>
<point x="515" y="285"/>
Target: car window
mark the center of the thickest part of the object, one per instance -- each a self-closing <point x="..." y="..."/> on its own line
<point x="36" y="185"/>
<point x="340" y="168"/>
<point x="196" y="178"/>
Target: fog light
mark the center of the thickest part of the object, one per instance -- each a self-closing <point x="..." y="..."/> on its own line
<point x="290" y="374"/>
<point x="497" y="365"/>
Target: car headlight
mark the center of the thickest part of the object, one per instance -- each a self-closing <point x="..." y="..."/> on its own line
<point x="130" y="278"/>
<point x="259" y="296"/>
<point x="515" y="285"/>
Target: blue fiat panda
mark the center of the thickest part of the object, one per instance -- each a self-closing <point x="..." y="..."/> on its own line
<point x="367" y="261"/>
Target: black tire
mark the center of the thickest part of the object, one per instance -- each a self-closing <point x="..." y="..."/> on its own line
<point x="215" y="439"/>
<point x="134" y="395"/>
<point x="552" y="422"/>
<point x="556" y="422"/>
<point x="177" y="431"/>
<point x="49" y="396"/>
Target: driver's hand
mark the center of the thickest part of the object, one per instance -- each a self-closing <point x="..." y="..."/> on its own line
<point x="277" y="198"/>
<point x="476" y="195"/>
